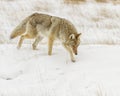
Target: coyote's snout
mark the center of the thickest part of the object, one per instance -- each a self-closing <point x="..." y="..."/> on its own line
<point x="37" y="26"/>
<point x="75" y="50"/>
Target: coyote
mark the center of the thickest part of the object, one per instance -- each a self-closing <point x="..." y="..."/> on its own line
<point x="37" y="26"/>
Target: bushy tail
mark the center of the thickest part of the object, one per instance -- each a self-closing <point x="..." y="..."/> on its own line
<point x="20" y="29"/>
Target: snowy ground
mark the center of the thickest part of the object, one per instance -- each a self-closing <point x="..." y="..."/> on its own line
<point x="26" y="72"/>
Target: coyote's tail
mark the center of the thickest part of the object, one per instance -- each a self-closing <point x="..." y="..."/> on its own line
<point x="20" y="29"/>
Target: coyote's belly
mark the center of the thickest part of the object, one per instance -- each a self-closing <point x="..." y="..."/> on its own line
<point x="43" y="31"/>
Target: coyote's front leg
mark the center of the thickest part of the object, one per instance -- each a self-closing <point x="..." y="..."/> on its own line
<point x="50" y="44"/>
<point x="70" y="52"/>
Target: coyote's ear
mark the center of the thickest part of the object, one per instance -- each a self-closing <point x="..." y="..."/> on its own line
<point x="78" y="35"/>
<point x="72" y="36"/>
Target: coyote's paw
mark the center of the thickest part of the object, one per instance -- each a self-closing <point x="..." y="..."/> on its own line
<point x="34" y="46"/>
<point x="18" y="47"/>
<point x="73" y="60"/>
<point x="49" y="53"/>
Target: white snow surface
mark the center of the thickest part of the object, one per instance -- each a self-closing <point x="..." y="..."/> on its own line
<point x="28" y="72"/>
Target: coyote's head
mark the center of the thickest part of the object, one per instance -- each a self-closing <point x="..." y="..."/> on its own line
<point x="74" y="42"/>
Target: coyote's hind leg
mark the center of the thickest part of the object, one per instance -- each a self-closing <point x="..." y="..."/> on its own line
<point x="37" y="40"/>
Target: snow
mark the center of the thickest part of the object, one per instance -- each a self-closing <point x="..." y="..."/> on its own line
<point x="28" y="72"/>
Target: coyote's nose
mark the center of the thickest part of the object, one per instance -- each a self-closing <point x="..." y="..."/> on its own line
<point x="76" y="54"/>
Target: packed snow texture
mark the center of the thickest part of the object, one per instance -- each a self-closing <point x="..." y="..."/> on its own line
<point x="99" y="23"/>
<point x="28" y="72"/>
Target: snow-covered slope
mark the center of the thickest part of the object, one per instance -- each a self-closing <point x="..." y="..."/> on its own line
<point x="99" y="23"/>
<point x="27" y="72"/>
